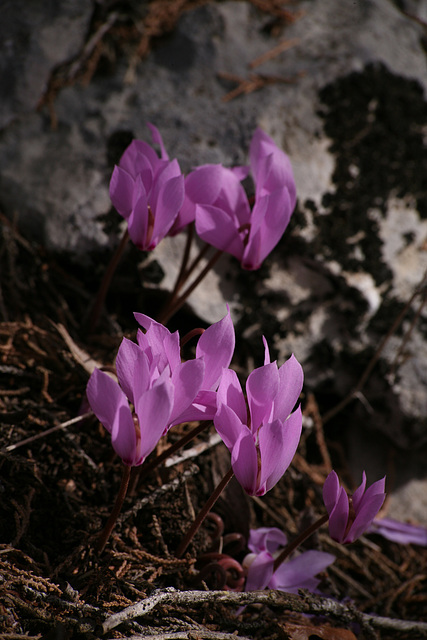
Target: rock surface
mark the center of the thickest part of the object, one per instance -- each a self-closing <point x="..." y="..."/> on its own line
<point x="353" y="120"/>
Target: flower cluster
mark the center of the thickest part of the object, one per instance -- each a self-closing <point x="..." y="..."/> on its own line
<point x="155" y="199"/>
<point x="162" y="390"/>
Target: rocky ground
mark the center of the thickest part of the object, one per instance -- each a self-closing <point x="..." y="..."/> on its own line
<point x="344" y="95"/>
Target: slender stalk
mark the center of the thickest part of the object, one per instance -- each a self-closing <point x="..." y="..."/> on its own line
<point x="146" y="468"/>
<point x="174" y="307"/>
<point x="106" y="281"/>
<point x="102" y="540"/>
<point x="185" y="257"/>
<point x="299" y="540"/>
<point x="203" y="513"/>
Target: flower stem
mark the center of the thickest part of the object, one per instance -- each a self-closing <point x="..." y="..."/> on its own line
<point x="102" y="540"/>
<point x="177" y="304"/>
<point x="203" y="513"/>
<point x="106" y="281"/>
<point x="299" y="540"/>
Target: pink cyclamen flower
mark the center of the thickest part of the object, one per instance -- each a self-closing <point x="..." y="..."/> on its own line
<point x="162" y="390"/>
<point x="224" y="219"/>
<point x="296" y="573"/>
<point x="262" y="438"/>
<point x="401" y="532"/>
<point x="147" y="191"/>
<point x="350" y="517"/>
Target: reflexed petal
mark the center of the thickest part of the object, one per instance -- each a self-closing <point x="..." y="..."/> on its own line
<point x="270" y="217"/>
<point x="230" y="393"/>
<point x="216" y="227"/>
<point x="121" y="191"/>
<point x="128" y="355"/>
<point x="216" y="345"/>
<point x="140" y="159"/>
<point x="261" y="388"/>
<point x="358" y="495"/>
<point x="266" y="352"/>
<point x="401" y="532"/>
<point x="187" y="379"/>
<point x="153" y="409"/>
<point x="244" y="461"/>
<point x="365" y="515"/>
<point x="203" y="408"/>
<point x="291" y="378"/>
<point x="338" y="518"/>
<point x="260" y="572"/>
<point x="138" y="223"/>
<point x="105" y="398"/>
<point x="278" y="443"/>
<point x="111" y="407"/>
<point x="266" y="539"/>
<point x="331" y="491"/>
<point x="202" y="186"/>
<point x="228" y="425"/>
<point x="169" y="201"/>
<point x="300" y="572"/>
<point x="157" y="139"/>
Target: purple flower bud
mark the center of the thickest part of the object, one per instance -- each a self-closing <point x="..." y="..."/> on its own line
<point x="221" y="208"/>
<point x="350" y="517"/>
<point x="148" y="192"/>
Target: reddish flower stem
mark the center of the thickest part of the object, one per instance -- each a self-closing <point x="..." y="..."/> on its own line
<point x="106" y="281"/>
<point x="175" y="306"/>
<point x="299" y="540"/>
<point x="102" y="540"/>
<point x="203" y="513"/>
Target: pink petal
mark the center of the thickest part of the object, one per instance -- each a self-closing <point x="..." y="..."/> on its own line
<point x="111" y="407"/>
<point x="121" y="191"/>
<point x="170" y="199"/>
<point x="338" y="518"/>
<point x="244" y="461"/>
<point x="216" y="227"/>
<point x="128" y="355"/>
<point x="202" y="186"/>
<point x="331" y="491"/>
<point x="365" y="516"/>
<point x="230" y="393"/>
<point x="157" y="139"/>
<point x="300" y="572"/>
<point x="261" y="388"/>
<point x="291" y="378"/>
<point x="228" y="425"/>
<point x="216" y="345"/>
<point x="203" y="408"/>
<point x="278" y="443"/>
<point x="153" y="409"/>
<point x="260" y="572"/>
<point x="270" y="217"/>
<point x="138" y="223"/>
<point x="266" y="539"/>
<point x="187" y="379"/>
<point x="140" y="159"/>
<point x="357" y="496"/>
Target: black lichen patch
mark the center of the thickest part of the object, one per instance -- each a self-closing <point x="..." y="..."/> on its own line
<point x="376" y="121"/>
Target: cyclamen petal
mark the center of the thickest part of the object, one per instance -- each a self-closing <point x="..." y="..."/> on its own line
<point x="216" y="346"/>
<point x="266" y="539"/>
<point x="299" y="572"/>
